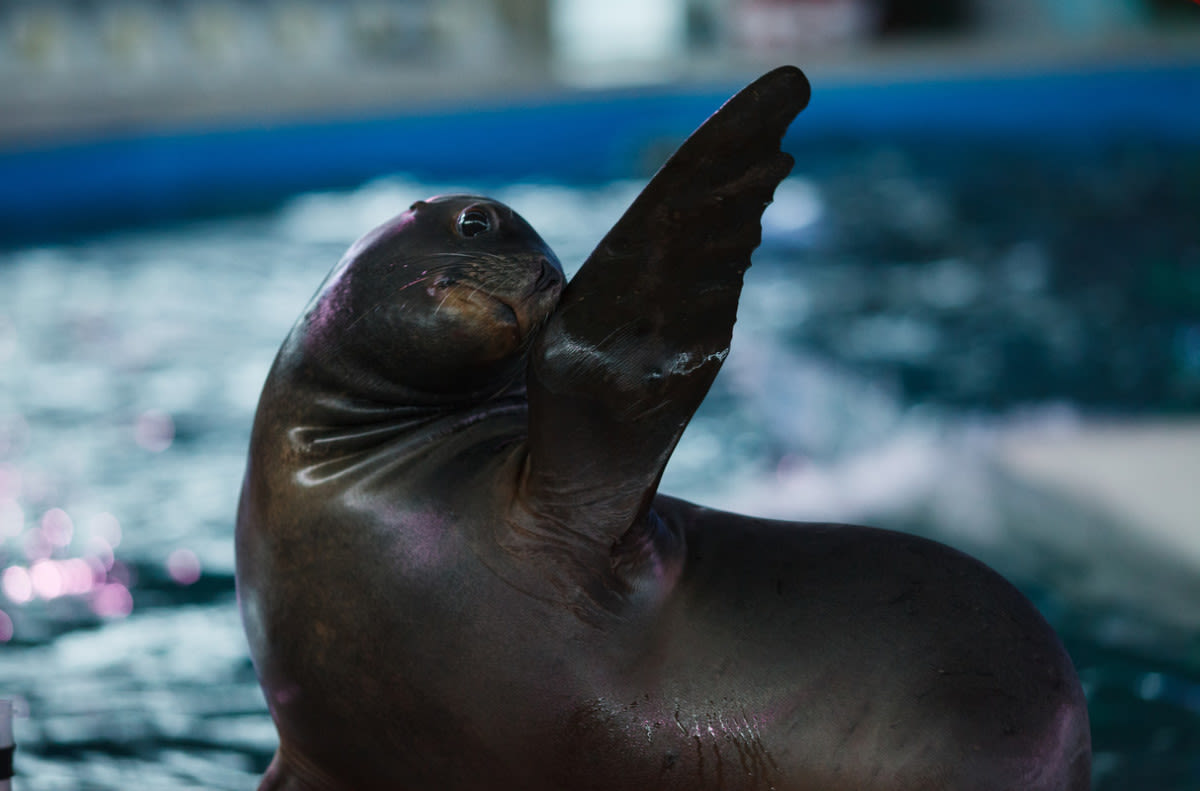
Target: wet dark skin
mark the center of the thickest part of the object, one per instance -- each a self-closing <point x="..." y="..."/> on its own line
<point x="455" y="570"/>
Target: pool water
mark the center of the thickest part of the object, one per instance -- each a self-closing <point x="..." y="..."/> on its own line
<point x="906" y="308"/>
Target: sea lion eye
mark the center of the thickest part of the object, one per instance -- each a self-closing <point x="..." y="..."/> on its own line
<point x="474" y="221"/>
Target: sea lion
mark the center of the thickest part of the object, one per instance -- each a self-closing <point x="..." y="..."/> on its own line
<point x="455" y="571"/>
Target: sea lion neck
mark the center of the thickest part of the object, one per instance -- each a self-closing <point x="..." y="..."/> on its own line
<point x="329" y="412"/>
<point x="339" y="392"/>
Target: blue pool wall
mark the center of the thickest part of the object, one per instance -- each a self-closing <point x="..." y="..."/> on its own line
<point x="54" y="190"/>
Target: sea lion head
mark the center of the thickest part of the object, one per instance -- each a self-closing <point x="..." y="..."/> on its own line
<point x="442" y="300"/>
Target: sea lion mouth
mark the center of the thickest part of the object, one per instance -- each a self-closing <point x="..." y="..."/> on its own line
<point x="478" y="299"/>
<point x="526" y="314"/>
<point x="509" y="313"/>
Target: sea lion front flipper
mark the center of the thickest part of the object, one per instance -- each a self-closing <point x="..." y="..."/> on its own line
<point x="642" y="329"/>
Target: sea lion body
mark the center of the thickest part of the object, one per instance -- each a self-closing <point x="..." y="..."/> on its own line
<point x="455" y="571"/>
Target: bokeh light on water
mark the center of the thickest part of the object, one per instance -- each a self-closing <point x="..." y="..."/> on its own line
<point x="884" y="344"/>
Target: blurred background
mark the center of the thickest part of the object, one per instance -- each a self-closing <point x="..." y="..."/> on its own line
<point x="975" y="314"/>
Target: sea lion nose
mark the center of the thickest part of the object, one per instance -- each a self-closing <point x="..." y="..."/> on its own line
<point x="548" y="277"/>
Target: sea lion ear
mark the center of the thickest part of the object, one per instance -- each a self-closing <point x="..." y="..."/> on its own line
<point x="642" y="329"/>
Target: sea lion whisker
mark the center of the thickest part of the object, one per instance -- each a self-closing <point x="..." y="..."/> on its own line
<point x="453" y="254"/>
<point x="422" y="279"/>
<point x="359" y="318"/>
<point x="386" y="300"/>
<point x="440" y="303"/>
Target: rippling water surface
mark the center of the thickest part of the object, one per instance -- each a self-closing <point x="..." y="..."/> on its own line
<point x="906" y="309"/>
